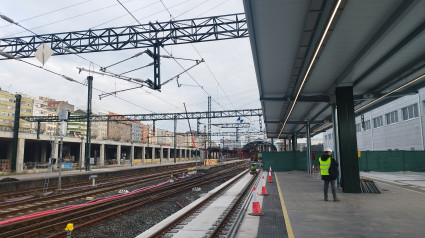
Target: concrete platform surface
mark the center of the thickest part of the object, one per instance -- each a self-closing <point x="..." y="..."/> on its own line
<point x="397" y="212"/>
<point x="406" y="178"/>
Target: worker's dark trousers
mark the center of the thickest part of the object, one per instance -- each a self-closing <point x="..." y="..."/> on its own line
<point x="325" y="188"/>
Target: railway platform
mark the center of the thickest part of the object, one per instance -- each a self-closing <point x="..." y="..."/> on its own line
<point x="397" y="212"/>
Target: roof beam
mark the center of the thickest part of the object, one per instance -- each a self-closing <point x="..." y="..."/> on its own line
<point x="392" y="20"/>
<point x="294" y="122"/>
<point x="315" y="98"/>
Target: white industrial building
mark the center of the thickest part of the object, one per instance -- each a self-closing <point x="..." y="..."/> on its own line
<point x="398" y="125"/>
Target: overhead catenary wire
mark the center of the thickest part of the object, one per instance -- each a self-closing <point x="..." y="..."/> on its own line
<point x="68" y="18"/>
<point x="69" y="78"/>
<point x="121" y="16"/>
<point x="196" y="6"/>
<point x="225" y="1"/>
<point x="47" y="13"/>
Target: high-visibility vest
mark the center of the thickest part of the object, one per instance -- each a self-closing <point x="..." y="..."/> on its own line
<point x="324" y="166"/>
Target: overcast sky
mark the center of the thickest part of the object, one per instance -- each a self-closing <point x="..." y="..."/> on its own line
<point x="229" y="60"/>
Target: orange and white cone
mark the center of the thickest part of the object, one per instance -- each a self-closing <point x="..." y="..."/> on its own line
<point x="312" y="170"/>
<point x="263" y="188"/>
<point x="270" y="180"/>
<point x="256" y="209"/>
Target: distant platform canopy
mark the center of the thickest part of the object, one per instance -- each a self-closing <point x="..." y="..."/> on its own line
<point x="257" y="144"/>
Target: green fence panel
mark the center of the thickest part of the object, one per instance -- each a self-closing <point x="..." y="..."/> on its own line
<point x="279" y="161"/>
<point x="284" y="161"/>
<point x="392" y="161"/>
<point x="380" y="161"/>
<point x="301" y="161"/>
<point x="414" y="161"/>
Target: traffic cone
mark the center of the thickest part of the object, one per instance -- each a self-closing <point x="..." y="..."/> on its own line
<point x="263" y="188"/>
<point x="256" y="209"/>
<point x="312" y="170"/>
<point x="270" y="180"/>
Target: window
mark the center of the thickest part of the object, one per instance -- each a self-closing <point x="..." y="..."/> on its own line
<point x="377" y="122"/>
<point x="391" y="117"/>
<point x="410" y="111"/>
<point x="358" y="127"/>
<point x="367" y="125"/>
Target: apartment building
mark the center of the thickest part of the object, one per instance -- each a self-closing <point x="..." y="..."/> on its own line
<point x="136" y="131"/>
<point x="39" y="109"/>
<point x="119" y="130"/>
<point x="53" y="108"/>
<point x="398" y="125"/>
<point x="7" y="111"/>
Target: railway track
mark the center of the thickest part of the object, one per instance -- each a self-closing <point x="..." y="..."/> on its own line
<point x="38" y="190"/>
<point x="54" y="223"/>
<point x="38" y="204"/>
<point x="217" y="227"/>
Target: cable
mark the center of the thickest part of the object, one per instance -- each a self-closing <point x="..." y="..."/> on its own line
<point x="123" y="15"/>
<point x="212" y="8"/>
<point x="47" y="13"/>
<point x="209" y="69"/>
<point x="129" y="12"/>
<point x="171" y="16"/>
<point x="79" y="15"/>
<point x="190" y="9"/>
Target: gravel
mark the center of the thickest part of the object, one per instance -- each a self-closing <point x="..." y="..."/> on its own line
<point x="133" y="223"/>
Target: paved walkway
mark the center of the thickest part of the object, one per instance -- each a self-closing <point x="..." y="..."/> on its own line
<point x="398" y="212"/>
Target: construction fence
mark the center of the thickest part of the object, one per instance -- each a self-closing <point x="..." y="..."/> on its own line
<point x="380" y="161"/>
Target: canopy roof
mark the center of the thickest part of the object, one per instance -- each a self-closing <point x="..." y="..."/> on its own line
<point x="374" y="46"/>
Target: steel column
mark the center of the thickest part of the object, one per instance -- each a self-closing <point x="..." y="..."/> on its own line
<point x="88" y="134"/>
<point x="347" y="140"/>
<point x="175" y="138"/>
<point x="15" y="132"/>
<point x="209" y="122"/>
<point x="336" y="140"/>
<point x="308" y="147"/>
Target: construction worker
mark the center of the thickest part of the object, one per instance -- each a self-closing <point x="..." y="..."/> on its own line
<point x="253" y="169"/>
<point x="326" y="160"/>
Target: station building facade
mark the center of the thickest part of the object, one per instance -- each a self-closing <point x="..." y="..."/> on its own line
<point x="398" y="125"/>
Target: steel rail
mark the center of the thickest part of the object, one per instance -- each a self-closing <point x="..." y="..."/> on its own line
<point x="28" y="191"/>
<point x="231" y="211"/>
<point x="41" y="203"/>
<point x="43" y="224"/>
<point x="185" y="215"/>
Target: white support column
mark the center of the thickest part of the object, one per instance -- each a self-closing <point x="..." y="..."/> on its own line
<point x="20" y="155"/>
<point x="153" y="155"/>
<point x="82" y="154"/>
<point x="143" y="154"/>
<point x="118" y="154"/>
<point x="132" y="155"/>
<point x="161" y="155"/>
<point x="168" y="154"/>
<point x="102" y="155"/>
<point x="190" y="154"/>
<point x="56" y="150"/>
<point x="181" y="154"/>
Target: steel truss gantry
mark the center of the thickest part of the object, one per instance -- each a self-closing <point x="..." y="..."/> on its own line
<point x="232" y="125"/>
<point x="130" y="37"/>
<point x="153" y="116"/>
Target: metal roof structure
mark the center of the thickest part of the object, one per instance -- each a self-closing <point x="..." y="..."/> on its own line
<point x="304" y="49"/>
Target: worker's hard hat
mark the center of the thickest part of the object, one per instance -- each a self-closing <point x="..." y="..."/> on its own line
<point x="328" y="150"/>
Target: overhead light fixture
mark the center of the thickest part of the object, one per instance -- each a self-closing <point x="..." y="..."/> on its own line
<point x="319" y="46"/>
<point x="393" y="91"/>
